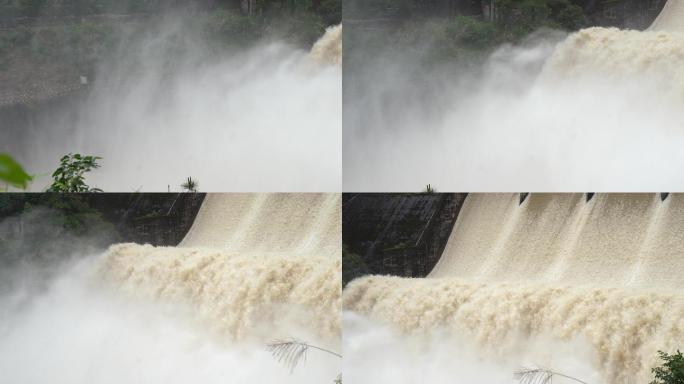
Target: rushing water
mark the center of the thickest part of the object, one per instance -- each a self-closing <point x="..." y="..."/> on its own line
<point x="599" y="109"/>
<point x="253" y="269"/>
<point x="604" y="273"/>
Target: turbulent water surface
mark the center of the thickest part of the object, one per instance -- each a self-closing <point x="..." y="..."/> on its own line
<point x="253" y="268"/>
<point x="553" y="113"/>
<point x="602" y="273"/>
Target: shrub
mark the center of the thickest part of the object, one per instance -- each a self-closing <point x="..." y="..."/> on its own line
<point x="520" y="17"/>
<point x="232" y="27"/>
<point x="472" y="33"/>
<point x="330" y="11"/>
<point x="672" y="370"/>
<point x="69" y="176"/>
<point x="571" y="17"/>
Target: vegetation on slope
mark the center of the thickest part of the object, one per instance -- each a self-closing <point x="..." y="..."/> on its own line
<point x="466" y="31"/>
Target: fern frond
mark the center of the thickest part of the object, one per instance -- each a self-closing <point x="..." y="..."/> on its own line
<point x="533" y="376"/>
<point x="289" y="352"/>
<point x="540" y="376"/>
<point x="292" y="352"/>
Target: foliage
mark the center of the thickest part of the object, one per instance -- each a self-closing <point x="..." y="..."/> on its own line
<point x="300" y="26"/>
<point x="429" y="189"/>
<point x="12" y="173"/>
<point x="53" y="226"/>
<point x="353" y="266"/>
<point x="381" y="8"/>
<point x="231" y="25"/>
<point x="568" y="14"/>
<point x="518" y="18"/>
<point x="190" y="185"/>
<point x="292" y="352"/>
<point x="672" y="370"/>
<point x="330" y="11"/>
<point x="75" y="213"/>
<point x="289" y="352"/>
<point x="78" y="44"/>
<point x="449" y="34"/>
<point x="540" y="376"/>
<point x="472" y="33"/>
<point x="69" y="176"/>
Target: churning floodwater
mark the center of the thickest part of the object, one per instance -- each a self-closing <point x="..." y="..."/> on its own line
<point x="599" y="109"/>
<point x="584" y="286"/>
<point x="203" y="311"/>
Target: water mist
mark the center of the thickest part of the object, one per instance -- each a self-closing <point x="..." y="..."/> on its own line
<point x="597" y="110"/>
<point x="252" y="269"/>
<point x="165" y="104"/>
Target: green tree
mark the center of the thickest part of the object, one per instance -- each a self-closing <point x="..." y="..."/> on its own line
<point x="520" y="17"/>
<point x="672" y="370"/>
<point x="330" y="11"/>
<point x="12" y="173"/>
<point x="69" y="177"/>
<point x="472" y="33"/>
<point x="570" y="16"/>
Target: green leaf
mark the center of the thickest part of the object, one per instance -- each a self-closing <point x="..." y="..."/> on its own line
<point x="11" y="172"/>
<point x="69" y="177"/>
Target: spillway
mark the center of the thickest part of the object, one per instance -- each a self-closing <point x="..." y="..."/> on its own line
<point x="328" y="49"/>
<point x="671" y="18"/>
<point x="627" y="240"/>
<point x="304" y="224"/>
<point x="605" y="271"/>
<point x="252" y="269"/>
<point x="249" y="262"/>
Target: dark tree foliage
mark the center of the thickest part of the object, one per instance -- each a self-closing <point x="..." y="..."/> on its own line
<point x="672" y="370"/>
<point x="520" y="17"/>
<point x="44" y="228"/>
<point x="524" y="14"/>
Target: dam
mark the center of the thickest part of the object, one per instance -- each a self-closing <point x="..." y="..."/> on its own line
<point x="604" y="270"/>
<point x="253" y="268"/>
<point x="247" y="257"/>
<point x="596" y="96"/>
